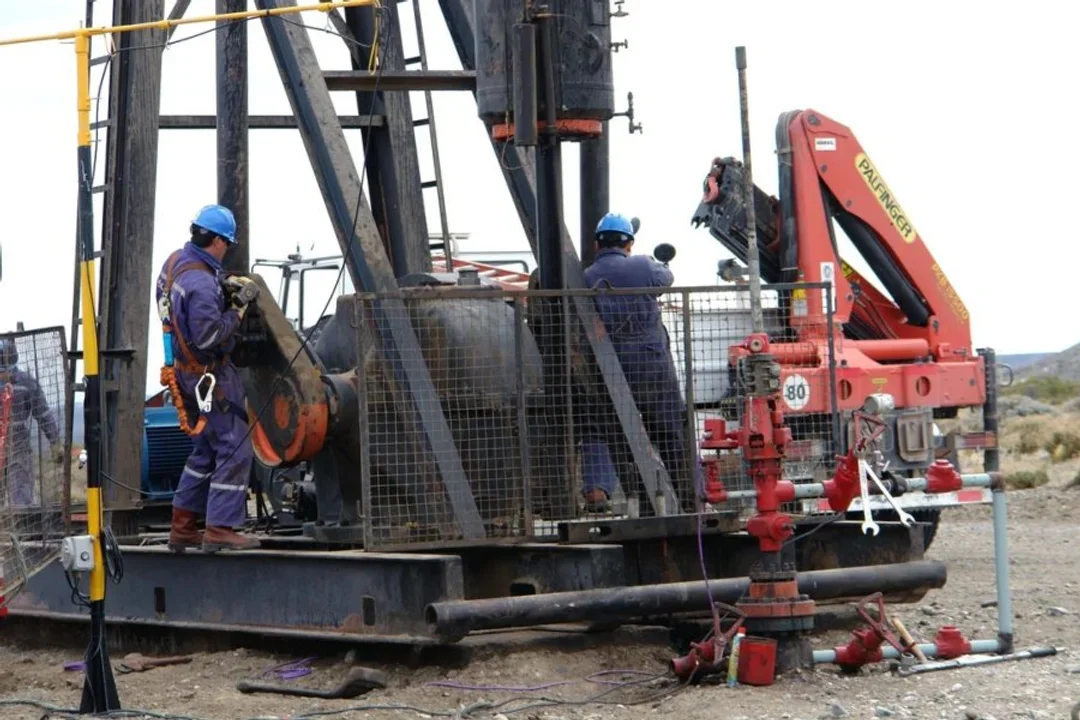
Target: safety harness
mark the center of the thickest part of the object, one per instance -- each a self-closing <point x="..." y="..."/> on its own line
<point x="188" y="362"/>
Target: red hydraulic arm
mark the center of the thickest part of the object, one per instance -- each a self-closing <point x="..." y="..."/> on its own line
<point x="912" y="342"/>
<point x="926" y="307"/>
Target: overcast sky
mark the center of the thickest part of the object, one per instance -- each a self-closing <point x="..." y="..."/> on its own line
<point x="961" y="105"/>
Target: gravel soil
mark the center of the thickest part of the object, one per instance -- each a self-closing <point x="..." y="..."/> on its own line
<point x="1045" y="571"/>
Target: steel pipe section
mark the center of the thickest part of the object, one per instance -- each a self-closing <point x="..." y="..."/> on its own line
<point x="811" y="491"/>
<point x="453" y="620"/>
<point x="888" y="652"/>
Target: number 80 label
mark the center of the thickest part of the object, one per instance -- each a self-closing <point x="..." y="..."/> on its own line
<point x="796" y="392"/>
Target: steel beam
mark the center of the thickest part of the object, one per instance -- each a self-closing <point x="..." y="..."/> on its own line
<point x="232" y="129"/>
<point x="392" y="165"/>
<point x="368" y="264"/>
<point x="370" y="596"/>
<point x="514" y="161"/>
<point x="259" y="122"/>
<point x="400" y="79"/>
<point x="178" y="9"/>
<point x="595" y="190"/>
<point x="127" y="246"/>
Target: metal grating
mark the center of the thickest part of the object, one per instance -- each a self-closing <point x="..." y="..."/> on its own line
<point x="35" y="461"/>
<point x="534" y="428"/>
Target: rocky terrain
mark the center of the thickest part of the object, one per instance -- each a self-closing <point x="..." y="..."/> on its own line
<point x="515" y="679"/>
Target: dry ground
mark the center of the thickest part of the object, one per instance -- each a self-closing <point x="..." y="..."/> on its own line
<point x="1046" y="591"/>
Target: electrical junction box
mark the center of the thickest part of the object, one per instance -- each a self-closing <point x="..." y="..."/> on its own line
<point x="77" y="553"/>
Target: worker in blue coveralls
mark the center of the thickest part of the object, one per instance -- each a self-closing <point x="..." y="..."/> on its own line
<point x="26" y="403"/>
<point x="199" y="320"/>
<point x="641" y="343"/>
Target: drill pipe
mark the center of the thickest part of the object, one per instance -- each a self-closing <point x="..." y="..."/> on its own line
<point x="452" y="620"/>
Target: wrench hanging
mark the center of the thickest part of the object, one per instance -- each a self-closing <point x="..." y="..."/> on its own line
<point x="905" y="517"/>
<point x="868" y="527"/>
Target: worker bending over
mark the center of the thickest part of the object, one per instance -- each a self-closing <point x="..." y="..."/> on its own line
<point x="199" y="322"/>
<point x="25" y="401"/>
<point x="641" y="343"/>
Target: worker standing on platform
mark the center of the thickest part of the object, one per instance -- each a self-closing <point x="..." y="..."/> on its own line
<point x="26" y="402"/>
<point x="199" y="321"/>
<point x="641" y="343"/>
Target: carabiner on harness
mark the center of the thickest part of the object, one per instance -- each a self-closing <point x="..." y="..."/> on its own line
<point x="205" y="401"/>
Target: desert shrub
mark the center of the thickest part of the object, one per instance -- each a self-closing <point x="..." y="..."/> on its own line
<point x="1030" y="436"/>
<point x="1026" y="479"/>
<point x="1046" y="388"/>
<point x="1074" y="483"/>
<point x="1063" y="446"/>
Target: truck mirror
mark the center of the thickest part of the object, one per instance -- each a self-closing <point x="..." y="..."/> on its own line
<point x="636" y="224"/>
<point x="664" y="252"/>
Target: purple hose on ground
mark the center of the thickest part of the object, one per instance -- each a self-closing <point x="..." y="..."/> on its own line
<point x="290" y="670"/>
<point x="701" y="549"/>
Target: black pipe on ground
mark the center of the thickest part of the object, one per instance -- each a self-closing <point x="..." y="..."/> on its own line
<point x="453" y="620"/>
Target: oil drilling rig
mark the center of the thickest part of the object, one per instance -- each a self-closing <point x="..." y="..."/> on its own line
<point x="440" y="416"/>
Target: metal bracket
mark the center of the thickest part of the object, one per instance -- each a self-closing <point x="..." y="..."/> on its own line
<point x="629" y="113"/>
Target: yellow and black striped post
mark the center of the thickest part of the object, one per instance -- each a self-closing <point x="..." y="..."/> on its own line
<point x="99" y="689"/>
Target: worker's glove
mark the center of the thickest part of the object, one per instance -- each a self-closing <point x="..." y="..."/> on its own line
<point x="58" y="452"/>
<point x="243" y="290"/>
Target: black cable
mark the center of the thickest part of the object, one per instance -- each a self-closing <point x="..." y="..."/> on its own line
<point x="811" y="531"/>
<point x="505" y="707"/>
<point x="77" y="596"/>
<point x="114" y="559"/>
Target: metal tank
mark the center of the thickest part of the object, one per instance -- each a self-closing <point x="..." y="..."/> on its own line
<point x="470" y="349"/>
<point x="584" y="84"/>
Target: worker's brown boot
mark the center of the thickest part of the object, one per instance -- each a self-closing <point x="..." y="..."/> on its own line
<point x="184" y="533"/>
<point x="222" y="538"/>
<point x="596" y="501"/>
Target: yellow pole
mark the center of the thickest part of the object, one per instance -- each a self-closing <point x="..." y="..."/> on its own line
<point x="99" y="686"/>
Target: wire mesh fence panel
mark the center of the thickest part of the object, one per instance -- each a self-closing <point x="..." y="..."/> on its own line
<point x="540" y="429"/>
<point x="710" y="327"/>
<point x="444" y="462"/>
<point x="34" y="454"/>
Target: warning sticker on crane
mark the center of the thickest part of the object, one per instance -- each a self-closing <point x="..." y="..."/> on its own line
<point x="885" y="197"/>
<point x="828" y="275"/>
<point x="796" y="392"/>
<point x="825" y="144"/>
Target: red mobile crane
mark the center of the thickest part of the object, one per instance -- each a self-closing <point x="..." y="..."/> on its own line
<point x="914" y="345"/>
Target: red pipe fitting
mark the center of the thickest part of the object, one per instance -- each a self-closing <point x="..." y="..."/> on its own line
<point x="863" y="648"/>
<point x="702" y="656"/>
<point x="942" y="477"/>
<point x="715" y="492"/>
<point x="841" y="490"/>
<point x="717" y="436"/>
<point x="771" y="530"/>
<point x="951" y="643"/>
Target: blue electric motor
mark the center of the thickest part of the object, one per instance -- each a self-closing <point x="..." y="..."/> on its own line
<point x="165" y="450"/>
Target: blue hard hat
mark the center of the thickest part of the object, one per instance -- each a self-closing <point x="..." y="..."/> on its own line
<point x="616" y="223"/>
<point x="219" y="220"/>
